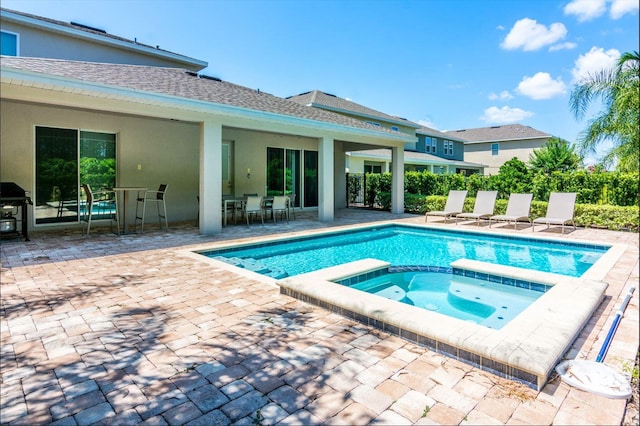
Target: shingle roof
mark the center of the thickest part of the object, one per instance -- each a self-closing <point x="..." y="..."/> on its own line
<point x="498" y="133"/>
<point x="100" y="33"/>
<point x="177" y="82"/>
<point x="324" y="100"/>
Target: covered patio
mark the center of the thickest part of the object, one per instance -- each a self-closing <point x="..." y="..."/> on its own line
<point x="203" y="137"/>
<point x="125" y="330"/>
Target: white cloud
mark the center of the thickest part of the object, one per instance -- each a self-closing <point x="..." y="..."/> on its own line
<point x="528" y="34"/>
<point x="620" y="8"/>
<point x="541" y="86"/>
<point x="594" y="61"/>
<point x="568" y="45"/>
<point x="504" y="95"/>
<point x="427" y="123"/>
<point x="586" y="10"/>
<point x="504" y="115"/>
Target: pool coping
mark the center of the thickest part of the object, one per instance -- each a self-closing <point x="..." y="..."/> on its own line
<point x="527" y="354"/>
<point x="526" y="349"/>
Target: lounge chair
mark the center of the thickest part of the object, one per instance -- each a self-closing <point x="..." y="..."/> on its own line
<point x="453" y="206"/>
<point x="483" y="207"/>
<point x="560" y="210"/>
<point x="518" y="209"/>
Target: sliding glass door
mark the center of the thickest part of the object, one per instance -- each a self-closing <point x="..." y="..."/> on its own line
<point x="285" y="175"/>
<point x="65" y="159"/>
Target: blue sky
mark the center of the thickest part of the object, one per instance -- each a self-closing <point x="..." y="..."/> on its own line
<point x="447" y="64"/>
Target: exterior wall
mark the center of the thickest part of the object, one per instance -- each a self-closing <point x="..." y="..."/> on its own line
<point x="250" y="151"/>
<point x="169" y="152"/>
<point x="340" y="177"/>
<point x="38" y="43"/>
<point x="458" y="148"/>
<point x="481" y="153"/>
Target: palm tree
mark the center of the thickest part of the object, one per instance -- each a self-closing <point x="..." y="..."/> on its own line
<point x="556" y="155"/>
<point x="618" y="121"/>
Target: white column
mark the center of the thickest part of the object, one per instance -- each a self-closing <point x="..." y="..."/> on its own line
<point x="397" y="181"/>
<point x="210" y="177"/>
<point x="326" y="179"/>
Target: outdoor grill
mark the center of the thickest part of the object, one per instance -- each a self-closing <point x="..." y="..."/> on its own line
<point x="13" y="199"/>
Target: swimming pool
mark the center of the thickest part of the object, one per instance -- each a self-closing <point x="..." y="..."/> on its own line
<point x="410" y="245"/>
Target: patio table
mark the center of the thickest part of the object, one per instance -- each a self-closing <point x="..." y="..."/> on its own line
<point x="126" y="190"/>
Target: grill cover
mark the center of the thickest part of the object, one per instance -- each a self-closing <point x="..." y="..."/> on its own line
<point x="11" y="190"/>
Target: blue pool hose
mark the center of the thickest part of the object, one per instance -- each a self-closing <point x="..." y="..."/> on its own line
<point x="614" y="326"/>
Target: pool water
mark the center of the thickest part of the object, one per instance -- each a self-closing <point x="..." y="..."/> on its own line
<point x="483" y="302"/>
<point x="410" y="245"/>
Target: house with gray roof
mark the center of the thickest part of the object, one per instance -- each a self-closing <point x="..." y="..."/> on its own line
<point x="24" y="34"/>
<point x="496" y="145"/>
<point x="158" y="123"/>
<point x="430" y="150"/>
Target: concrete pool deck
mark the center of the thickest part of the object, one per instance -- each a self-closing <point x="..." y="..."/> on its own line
<point x="127" y="330"/>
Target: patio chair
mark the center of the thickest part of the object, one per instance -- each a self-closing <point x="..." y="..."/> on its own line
<point x="560" y="210"/>
<point x="100" y="204"/>
<point x="453" y="206"/>
<point x="483" y="207"/>
<point x="280" y="205"/>
<point x="254" y="206"/>
<point x="157" y="197"/>
<point x="518" y="209"/>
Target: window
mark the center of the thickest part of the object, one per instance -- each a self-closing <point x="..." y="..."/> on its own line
<point x="495" y="147"/>
<point x="372" y="168"/>
<point x="373" y="123"/>
<point x="9" y="43"/>
<point x="394" y="128"/>
<point x="448" y="147"/>
<point x="431" y="145"/>
<point x="66" y="159"/>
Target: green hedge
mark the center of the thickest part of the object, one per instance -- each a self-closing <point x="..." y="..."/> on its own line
<point x="586" y="215"/>
<point x="600" y="188"/>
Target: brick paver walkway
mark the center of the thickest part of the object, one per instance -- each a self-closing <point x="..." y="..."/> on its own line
<point x="127" y="330"/>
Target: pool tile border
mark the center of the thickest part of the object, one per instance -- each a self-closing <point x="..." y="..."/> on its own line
<point x="498" y="279"/>
<point x="525" y="350"/>
<point x="484" y="363"/>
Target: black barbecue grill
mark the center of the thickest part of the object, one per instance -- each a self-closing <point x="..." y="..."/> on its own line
<point x="12" y="199"/>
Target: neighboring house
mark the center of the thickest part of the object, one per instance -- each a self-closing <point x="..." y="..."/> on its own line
<point x="157" y="124"/>
<point x="432" y="150"/>
<point x="379" y="161"/>
<point x="447" y="147"/>
<point x="328" y="102"/>
<point x="496" y="145"/>
<point x="23" y="34"/>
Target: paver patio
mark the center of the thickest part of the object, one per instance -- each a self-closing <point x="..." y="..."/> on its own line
<point x="128" y="330"/>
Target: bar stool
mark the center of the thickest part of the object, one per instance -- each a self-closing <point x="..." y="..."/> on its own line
<point x="100" y="203"/>
<point x="157" y="197"/>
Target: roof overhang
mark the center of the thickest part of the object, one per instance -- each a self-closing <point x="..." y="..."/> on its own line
<point x="415" y="160"/>
<point x="508" y="139"/>
<point x="28" y="86"/>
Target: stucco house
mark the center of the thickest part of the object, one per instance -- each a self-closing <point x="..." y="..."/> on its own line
<point x="430" y="150"/>
<point x="24" y="34"/>
<point x="158" y="123"/>
<point x="495" y="145"/>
